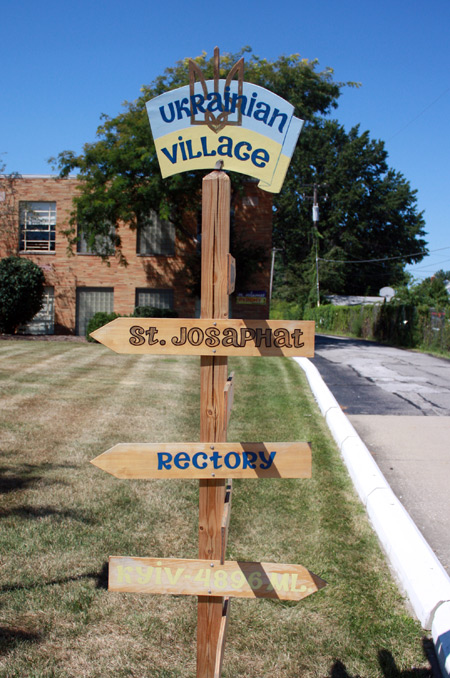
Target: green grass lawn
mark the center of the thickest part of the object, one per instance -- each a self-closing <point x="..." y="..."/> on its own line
<point x="62" y="404"/>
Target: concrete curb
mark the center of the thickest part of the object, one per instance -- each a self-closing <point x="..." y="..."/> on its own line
<point x="425" y="581"/>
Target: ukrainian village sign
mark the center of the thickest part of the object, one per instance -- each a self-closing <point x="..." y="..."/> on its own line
<point x="252" y="131"/>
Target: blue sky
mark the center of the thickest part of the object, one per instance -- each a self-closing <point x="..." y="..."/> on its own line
<point x="64" y="64"/>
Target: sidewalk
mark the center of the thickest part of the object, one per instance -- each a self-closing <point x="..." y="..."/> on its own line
<point x="424" y="579"/>
<point x="413" y="454"/>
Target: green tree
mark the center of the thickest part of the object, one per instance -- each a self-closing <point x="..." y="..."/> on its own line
<point x="121" y="180"/>
<point x="368" y="214"/>
<point x="21" y="292"/>
<point x="430" y="292"/>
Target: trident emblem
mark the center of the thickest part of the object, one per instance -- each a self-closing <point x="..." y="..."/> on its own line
<point x="216" y="122"/>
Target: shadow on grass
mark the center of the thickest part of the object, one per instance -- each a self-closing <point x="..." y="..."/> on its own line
<point x="390" y="669"/>
<point x="46" y="511"/>
<point x="100" y="578"/>
<point x="26" y="476"/>
<point x="11" y="637"/>
<point x="11" y="483"/>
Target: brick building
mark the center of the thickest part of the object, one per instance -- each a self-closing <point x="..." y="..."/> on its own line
<point x="80" y="284"/>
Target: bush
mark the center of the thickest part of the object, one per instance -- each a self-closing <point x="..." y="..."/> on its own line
<point x="396" y="324"/>
<point x="21" y="292"/>
<point x="102" y="318"/>
<point x="98" y="320"/>
<point x="285" y="310"/>
<point x="153" y="312"/>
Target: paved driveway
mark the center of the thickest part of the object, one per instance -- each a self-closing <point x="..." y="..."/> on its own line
<point x="399" y="402"/>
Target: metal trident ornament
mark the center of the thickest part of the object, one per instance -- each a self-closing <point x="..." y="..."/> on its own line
<point x="216" y="122"/>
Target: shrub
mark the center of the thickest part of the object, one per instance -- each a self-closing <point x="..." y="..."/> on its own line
<point x="98" y="320"/>
<point x="102" y="318"/>
<point x="21" y="292"/>
<point x="285" y="310"/>
<point x="153" y="312"/>
<point x="396" y="324"/>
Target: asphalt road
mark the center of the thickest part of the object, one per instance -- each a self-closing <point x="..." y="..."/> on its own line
<point x="399" y="403"/>
<point x="368" y="378"/>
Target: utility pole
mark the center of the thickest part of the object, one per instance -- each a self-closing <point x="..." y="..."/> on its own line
<point x="315" y="218"/>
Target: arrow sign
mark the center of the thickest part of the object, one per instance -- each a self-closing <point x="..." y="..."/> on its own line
<point x="202" y="336"/>
<point x="178" y="576"/>
<point x="207" y="460"/>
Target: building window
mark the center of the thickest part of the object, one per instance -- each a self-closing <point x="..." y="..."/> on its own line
<point x="90" y="300"/>
<point x="103" y="245"/>
<point x="44" y="321"/>
<point x="155" y="298"/>
<point x="37" y="226"/>
<point x="156" y="236"/>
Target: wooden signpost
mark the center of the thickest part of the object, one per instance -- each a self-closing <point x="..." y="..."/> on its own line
<point x="213" y="460"/>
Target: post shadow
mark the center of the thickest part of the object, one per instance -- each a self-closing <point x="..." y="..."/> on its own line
<point x="100" y="577"/>
<point x="10" y="637"/>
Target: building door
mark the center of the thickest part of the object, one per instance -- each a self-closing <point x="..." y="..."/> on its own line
<point x="90" y="300"/>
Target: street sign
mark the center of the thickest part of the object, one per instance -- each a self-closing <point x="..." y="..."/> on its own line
<point x="207" y="460"/>
<point x="212" y="578"/>
<point x="208" y="337"/>
<point x="252" y="130"/>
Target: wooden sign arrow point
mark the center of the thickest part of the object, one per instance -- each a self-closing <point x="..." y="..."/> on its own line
<point x="103" y="462"/>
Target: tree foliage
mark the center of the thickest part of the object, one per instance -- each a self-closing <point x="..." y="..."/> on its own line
<point x="121" y="180"/>
<point x="431" y="292"/>
<point x="369" y="226"/>
<point x="8" y="211"/>
<point x="370" y="212"/>
<point x="21" y="292"/>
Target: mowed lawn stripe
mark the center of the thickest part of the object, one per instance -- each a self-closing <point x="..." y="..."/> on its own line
<point x="60" y="518"/>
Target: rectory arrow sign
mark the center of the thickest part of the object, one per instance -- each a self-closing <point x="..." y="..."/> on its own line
<point x="207" y="460"/>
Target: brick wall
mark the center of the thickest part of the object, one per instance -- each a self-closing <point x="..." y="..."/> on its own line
<point x="252" y="223"/>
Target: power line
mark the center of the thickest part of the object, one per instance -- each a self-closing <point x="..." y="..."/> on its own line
<point x="430" y="267"/>
<point x="369" y="261"/>
<point x="419" y="114"/>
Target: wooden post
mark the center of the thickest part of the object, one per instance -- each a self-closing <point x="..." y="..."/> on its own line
<point x="213" y="417"/>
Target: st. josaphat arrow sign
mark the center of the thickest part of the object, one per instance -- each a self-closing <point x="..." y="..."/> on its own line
<point x="202" y="336"/>
<point x="178" y="576"/>
<point x="206" y="461"/>
<point x="253" y="131"/>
